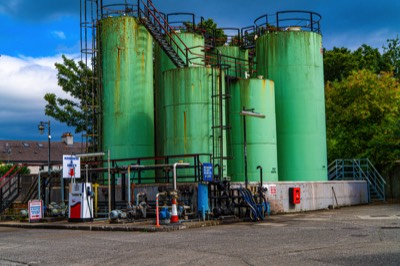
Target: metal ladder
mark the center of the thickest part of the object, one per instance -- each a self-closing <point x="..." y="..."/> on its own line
<point x="157" y="25"/>
<point x="359" y="169"/>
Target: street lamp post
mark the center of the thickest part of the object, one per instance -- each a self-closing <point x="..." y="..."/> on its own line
<point x="42" y="125"/>
<point x="247" y="112"/>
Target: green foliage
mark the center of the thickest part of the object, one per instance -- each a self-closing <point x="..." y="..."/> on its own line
<point x="392" y="55"/>
<point x="4" y="168"/>
<point x="211" y="29"/>
<point x="363" y="117"/>
<point x="340" y="62"/>
<point x="74" y="79"/>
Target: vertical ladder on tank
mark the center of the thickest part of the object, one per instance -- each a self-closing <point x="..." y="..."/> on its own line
<point x="89" y="16"/>
<point x="220" y="100"/>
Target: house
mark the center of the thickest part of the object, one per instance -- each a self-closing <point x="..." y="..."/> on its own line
<point x="35" y="154"/>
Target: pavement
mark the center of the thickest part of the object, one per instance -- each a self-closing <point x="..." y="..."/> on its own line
<point x="359" y="235"/>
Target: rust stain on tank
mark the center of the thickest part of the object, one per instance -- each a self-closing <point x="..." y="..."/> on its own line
<point x="117" y="83"/>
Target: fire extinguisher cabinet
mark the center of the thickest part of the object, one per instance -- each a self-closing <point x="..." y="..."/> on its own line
<point x="294" y="195"/>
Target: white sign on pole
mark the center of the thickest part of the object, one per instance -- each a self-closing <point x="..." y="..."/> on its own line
<point x="71" y="166"/>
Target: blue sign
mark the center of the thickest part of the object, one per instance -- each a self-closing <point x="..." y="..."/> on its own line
<point x="207" y="172"/>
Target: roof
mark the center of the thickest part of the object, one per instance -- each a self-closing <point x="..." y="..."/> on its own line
<point x="36" y="152"/>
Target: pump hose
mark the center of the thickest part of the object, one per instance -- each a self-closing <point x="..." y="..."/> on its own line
<point x="248" y="198"/>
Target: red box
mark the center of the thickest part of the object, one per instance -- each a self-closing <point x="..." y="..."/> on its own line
<point x="294" y="195"/>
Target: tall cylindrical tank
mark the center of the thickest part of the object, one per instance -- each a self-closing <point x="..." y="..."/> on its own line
<point x="260" y="132"/>
<point x="189" y="109"/>
<point x="293" y="60"/>
<point x="234" y="60"/>
<point x="162" y="64"/>
<point x="127" y="69"/>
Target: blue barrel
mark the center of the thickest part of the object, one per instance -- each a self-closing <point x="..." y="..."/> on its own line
<point x="202" y="200"/>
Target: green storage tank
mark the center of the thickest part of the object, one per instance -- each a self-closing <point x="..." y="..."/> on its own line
<point x="293" y="60"/>
<point x="260" y="132"/>
<point x="234" y="60"/>
<point x="188" y="110"/>
<point x="127" y="63"/>
<point x="162" y="63"/>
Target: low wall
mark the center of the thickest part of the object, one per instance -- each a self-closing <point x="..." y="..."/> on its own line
<point x="316" y="195"/>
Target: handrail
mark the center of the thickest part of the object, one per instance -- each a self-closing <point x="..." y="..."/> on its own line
<point x="311" y="19"/>
<point x="165" y="28"/>
<point x="360" y="169"/>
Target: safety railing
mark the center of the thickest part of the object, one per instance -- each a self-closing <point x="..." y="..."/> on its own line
<point x="358" y="169"/>
<point x="294" y="20"/>
<point x="10" y="187"/>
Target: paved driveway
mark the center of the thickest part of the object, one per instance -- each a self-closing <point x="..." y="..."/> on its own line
<point x="363" y="235"/>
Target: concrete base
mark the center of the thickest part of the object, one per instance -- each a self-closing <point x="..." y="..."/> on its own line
<point x="316" y="195"/>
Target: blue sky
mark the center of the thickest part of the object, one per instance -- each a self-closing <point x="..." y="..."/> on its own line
<point x="34" y="34"/>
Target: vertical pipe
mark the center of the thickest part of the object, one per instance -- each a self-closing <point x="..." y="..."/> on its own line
<point x="245" y="150"/>
<point x="157" y="212"/>
<point x="39" y="186"/>
<point x="113" y="189"/>
<point x="129" y="185"/>
<point x="62" y="189"/>
<point x="109" y="184"/>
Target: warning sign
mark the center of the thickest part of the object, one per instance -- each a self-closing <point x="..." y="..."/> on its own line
<point x="35" y="210"/>
<point x="71" y="166"/>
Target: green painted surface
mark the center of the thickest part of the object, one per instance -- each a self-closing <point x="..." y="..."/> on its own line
<point x="127" y="62"/>
<point x="260" y="132"/>
<point x="293" y="60"/>
<point x="162" y="63"/>
<point x="188" y="110"/>
<point x="234" y="57"/>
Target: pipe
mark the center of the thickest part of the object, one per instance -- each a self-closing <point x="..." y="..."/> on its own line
<point x="157" y="209"/>
<point x="39" y="186"/>
<point x="137" y="197"/>
<point x="109" y="183"/>
<point x="261" y="174"/>
<point x="175" y="165"/>
<point x="129" y="185"/>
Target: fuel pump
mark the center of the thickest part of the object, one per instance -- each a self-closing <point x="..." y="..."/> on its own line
<point x="80" y="202"/>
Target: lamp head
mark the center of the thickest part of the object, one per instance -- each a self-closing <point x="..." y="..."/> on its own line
<point x="41" y="128"/>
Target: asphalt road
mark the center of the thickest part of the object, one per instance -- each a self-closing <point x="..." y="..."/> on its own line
<point x="364" y="235"/>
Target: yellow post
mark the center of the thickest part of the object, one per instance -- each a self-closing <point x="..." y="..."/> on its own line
<point x="95" y="186"/>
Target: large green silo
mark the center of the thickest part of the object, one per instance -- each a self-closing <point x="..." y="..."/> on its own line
<point x="162" y="63"/>
<point x="127" y="69"/>
<point x="260" y="132"/>
<point x="293" y="60"/>
<point x="234" y="60"/>
<point x="189" y="110"/>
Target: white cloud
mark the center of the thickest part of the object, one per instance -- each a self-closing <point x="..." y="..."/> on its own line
<point x="23" y="83"/>
<point x="59" y="34"/>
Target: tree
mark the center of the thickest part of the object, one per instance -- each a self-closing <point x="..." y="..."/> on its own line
<point x="211" y="30"/>
<point x="363" y="117"/>
<point x="74" y="79"/>
<point x="392" y="55"/>
<point x="370" y="58"/>
<point x="4" y="168"/>
<point x="338" y="64"/>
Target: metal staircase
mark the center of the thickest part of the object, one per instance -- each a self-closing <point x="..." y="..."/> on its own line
<point x="10" y="187"/>
<point x="359" y="169"/>
<point x="157" y="25"/>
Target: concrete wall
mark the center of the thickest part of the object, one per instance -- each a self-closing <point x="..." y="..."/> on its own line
<point x="317" y="195"/>
<point x="314" y="195"/>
